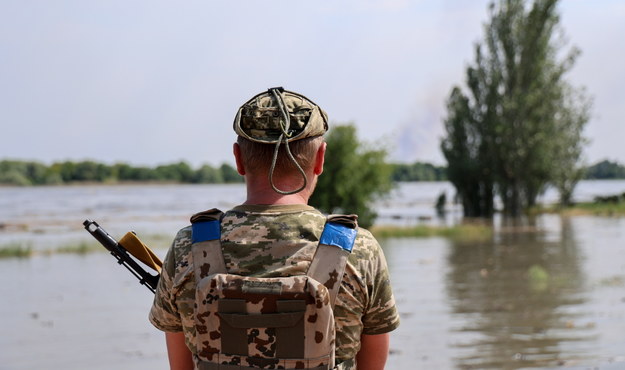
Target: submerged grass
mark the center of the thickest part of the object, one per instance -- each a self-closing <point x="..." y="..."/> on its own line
<point x="585" y="209"/>
<point x="468" y="231"/>
<point x="613" y="281"/>
<point x="601" y="209"/>
<point x="15" y="250"/>
<point x="25" y="250"/>
<point x="80" y="248"/>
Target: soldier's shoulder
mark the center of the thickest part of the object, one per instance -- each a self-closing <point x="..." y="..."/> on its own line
<point x="366" y="248"/>
<point x="181" y="245"/>
<point x="365" y="240"/>
<point x="183" y="236"/>
<point x="366" y="234"/>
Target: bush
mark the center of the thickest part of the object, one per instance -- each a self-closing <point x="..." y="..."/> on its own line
<point x="353" y="177"/>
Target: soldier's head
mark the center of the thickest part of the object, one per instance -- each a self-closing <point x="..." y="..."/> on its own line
<point x="280" y="134"/>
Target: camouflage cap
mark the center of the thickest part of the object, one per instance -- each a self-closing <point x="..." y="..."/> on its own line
<point x="278" y="115"/>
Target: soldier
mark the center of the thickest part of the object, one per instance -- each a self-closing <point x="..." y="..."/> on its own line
<point x="227" y="270"/>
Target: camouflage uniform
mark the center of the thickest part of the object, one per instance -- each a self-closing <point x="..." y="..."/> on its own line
<point x="274" y="241"/>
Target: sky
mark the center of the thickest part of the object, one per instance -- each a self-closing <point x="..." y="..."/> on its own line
<point x="155" y="82"/>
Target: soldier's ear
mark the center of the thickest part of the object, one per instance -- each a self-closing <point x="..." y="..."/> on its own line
<point x="319" y="159"/>
<point x="236" y="149"/>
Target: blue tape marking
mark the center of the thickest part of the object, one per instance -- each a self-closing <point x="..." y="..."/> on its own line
<point x="338" y="235"/>
<point x="207" y="230"/>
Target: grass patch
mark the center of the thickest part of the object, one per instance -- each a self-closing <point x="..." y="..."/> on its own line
<point x="470" y="231"/>
<point x="15" y="251"/>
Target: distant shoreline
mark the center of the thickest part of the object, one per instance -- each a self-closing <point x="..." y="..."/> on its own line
<point x="174" y="183"/>
<point x="32" y="173"/>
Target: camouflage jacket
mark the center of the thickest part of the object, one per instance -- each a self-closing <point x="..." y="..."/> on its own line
<point x="280" y="240"/>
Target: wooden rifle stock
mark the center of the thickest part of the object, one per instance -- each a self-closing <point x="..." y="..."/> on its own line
<point x="121" y="254"/>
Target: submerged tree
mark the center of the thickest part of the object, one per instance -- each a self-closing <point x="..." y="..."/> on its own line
<point x="519" y="127"/>
<point x="466" y="147"/>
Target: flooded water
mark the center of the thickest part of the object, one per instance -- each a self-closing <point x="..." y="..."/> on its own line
<point x="543" y="293"/>
<point x="551" y="294"/>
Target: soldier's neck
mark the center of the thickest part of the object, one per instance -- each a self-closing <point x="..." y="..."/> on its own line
<point x="283" y="199"/>
<point x="259" y="191"/>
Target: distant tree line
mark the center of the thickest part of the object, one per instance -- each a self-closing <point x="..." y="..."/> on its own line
<point x="606" y="170"/>
<point x="418" y="171"/>
<point x="24" y="173"/>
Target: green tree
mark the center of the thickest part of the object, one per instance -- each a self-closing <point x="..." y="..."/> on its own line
<point x="208" y="175"/>
<point x="176" y="172"/>
<point x="229" y="174"/>
<point x="519" y="127"/>
<point x="65" y="170"/>
<point x="418" y="171"/>
<point x="567" y="150"/>
<point x="14" y="173"/>
<point x="24" y="173"/>
<point x="469" y="166"/>
<point x="353" y="176"/>
<point x="606" y="170"/>
<point x="91" y="171"/>
<point x="123" y="171"/>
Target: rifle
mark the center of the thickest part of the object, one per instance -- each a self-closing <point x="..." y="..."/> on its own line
<point x="120" y="250"/>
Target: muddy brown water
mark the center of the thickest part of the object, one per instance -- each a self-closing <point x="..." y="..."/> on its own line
<point x="542" y="293"/>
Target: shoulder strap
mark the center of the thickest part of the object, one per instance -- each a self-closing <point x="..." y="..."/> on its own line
<point x="206" y="250"/>
<point x="327" y="266"/>
<point x="335" y="245"/>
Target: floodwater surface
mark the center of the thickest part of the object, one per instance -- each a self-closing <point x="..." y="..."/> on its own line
<point x="542" y="293"/>
<point x="547" y="294"/>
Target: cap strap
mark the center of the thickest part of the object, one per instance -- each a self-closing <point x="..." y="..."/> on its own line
<point x="286" y="124"/>
<point x="284" y="136"/>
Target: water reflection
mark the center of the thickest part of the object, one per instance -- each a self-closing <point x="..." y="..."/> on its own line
<point x="517" y="297"/>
